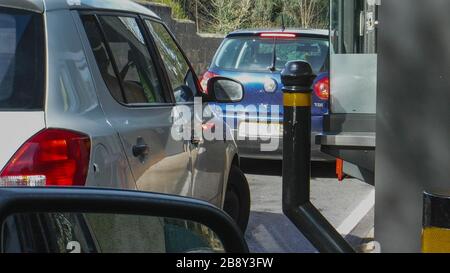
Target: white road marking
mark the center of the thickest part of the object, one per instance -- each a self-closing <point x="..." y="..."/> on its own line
<point x="357" y="214"/>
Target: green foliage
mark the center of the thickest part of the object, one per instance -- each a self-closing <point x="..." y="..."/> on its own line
<point x="230" y="14"/>
<point x="266" y="14"/>
<point x="177" y="9"/>
<point x="306" y="13"/>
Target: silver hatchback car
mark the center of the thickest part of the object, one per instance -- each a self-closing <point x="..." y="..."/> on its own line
<point x="92" y="93"/>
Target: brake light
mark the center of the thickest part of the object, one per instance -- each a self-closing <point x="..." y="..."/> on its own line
<point x="53" y="157"/>
<point x="322" y="88"/>
<point x="278" y="35"/>
<point x="204" y="82"/>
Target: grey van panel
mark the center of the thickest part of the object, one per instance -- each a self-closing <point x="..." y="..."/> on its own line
<point x="358" y="95"/>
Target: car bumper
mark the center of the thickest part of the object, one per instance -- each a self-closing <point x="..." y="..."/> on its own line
<point x="253" y="149"/>
<point x="258" y="148"/>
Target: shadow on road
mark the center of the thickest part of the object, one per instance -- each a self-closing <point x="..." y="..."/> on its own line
<point x="274" y="233"/>
<point x="274" y="168"/>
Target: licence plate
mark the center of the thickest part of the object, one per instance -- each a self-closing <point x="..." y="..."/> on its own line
<point x="260" y="129"/>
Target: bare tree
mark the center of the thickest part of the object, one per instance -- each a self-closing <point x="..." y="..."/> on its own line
<point x="229" y="15"/>
<point x="265" y="13"/>
<point x="307" y="13"/>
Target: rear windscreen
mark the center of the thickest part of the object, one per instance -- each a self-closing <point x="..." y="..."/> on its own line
<point x="21" y="60"/>
<point x="259" y="54"/>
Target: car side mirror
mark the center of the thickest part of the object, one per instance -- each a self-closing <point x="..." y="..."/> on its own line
<point x="184" y="93"/>
<point x="225" y="90"/>
<point x="82" y="220"/>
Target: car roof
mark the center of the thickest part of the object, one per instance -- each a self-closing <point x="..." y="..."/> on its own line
<point x="254" y="32"/>
<point x="49" y="5"/>
<point x="32" y="5"/>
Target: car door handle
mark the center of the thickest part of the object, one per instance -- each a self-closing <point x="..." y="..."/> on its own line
<point x="141" y="150"/>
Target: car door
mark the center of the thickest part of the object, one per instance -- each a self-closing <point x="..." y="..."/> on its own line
<point x="207" y="157"/>
<point x="137" y="103"/>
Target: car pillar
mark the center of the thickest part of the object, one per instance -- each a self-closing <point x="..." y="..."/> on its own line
<point x="297" y="78"/>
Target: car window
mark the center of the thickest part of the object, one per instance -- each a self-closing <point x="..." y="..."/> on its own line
<point x="180" y="75"/>
<point x="257" y="54"/>
<point x="47" y="233"/>
<point x="21" y="60"/>
<point x="135" y="79"/>
<point x="103" y="60"/>
<point x="146" y="234"/>
<point x="104" y="233"/>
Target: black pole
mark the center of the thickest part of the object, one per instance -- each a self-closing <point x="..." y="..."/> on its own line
<point x="297" y="79"/>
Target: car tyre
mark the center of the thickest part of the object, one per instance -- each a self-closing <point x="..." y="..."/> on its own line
<point x="237" y="198"/>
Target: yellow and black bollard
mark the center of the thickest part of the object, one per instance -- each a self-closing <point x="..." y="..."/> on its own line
<point x="297" y="78"/>
<point x="436" y="224"/>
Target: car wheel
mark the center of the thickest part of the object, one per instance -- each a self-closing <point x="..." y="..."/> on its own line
<point x="237" y="198"/>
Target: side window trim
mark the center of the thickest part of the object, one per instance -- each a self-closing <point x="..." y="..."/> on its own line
<point x="197" y="85"/>
<point x="164" y="78"/>
<point x="157" y="61"/>
<point x="169" y="101"/>
<point x="111" y="57"/>
<point x="161" y="66"/>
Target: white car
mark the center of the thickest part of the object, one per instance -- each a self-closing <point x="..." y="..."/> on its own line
<point x="88" y="92"/>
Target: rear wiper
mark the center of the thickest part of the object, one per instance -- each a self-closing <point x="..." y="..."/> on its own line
<point x="273" y="67"/>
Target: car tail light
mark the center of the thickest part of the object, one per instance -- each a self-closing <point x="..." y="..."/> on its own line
<point x="278" y="35"/>
<point x="204" y="82"/>
<point x="52" y="157"/>
<point x="322" y="88"/>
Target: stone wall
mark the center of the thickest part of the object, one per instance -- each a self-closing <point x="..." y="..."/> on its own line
<point x="199" y="47"/>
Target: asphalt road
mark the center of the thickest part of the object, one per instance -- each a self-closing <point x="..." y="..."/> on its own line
<point x="347" y="205"/>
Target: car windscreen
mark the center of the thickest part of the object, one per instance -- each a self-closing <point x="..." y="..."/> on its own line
<point x="257" y="54"/>
<point x="21" y="60"/>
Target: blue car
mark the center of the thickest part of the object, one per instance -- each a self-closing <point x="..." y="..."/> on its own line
<point x="256" y="58"/>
